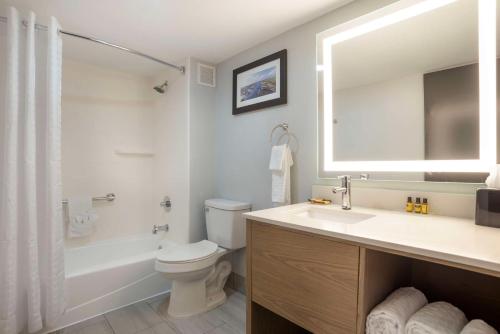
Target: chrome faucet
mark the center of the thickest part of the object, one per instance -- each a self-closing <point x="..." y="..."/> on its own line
<point x="345" y="189"/>
<point x="157" y="228"/>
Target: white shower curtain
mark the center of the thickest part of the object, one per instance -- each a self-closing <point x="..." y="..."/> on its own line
<point x="31" y="230"/>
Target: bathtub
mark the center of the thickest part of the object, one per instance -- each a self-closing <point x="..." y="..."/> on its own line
<point x="111" y="274"/>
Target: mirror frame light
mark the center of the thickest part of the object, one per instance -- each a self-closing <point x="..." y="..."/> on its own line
<point x="392" y="14"/>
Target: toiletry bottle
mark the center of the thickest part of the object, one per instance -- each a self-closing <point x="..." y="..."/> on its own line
<point x="409" y="205"/>
<point x="425" y="206"/>
<point x="418" y="206"/>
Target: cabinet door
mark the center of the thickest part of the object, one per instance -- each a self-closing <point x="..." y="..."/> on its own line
<point x="309" y="280"/>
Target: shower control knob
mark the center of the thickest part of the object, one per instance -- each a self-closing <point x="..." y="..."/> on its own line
<point x="166" y="203"/>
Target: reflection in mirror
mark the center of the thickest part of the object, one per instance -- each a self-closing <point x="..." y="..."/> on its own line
<point x="409" y="91"/>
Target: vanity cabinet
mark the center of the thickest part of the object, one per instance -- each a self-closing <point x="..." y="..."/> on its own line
<point x="309" y="280"/>
<point x="302" y="282"/>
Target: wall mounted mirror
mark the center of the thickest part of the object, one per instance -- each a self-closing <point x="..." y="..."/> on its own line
<point x="408" y="92"/>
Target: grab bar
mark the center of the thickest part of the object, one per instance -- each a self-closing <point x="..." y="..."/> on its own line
<point x="109" y="197"/>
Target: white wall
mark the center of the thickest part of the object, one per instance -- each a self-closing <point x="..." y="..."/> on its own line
<point x="184" y="163"/>
<point x="102" y="110"/>
<point x="171" y="168"/>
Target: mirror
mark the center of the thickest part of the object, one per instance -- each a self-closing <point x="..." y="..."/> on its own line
<point x="398" y="92"/>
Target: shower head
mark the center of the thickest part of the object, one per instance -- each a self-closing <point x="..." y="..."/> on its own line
<point x="161" y="88"/>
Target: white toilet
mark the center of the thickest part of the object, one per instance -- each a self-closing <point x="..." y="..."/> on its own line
<point x="197" y="282"/>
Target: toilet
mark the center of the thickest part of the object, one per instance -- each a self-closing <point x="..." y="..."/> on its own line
<point x="197" y="277"/>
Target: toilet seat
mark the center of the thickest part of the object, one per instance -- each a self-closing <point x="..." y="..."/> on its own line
<point x="189" y="257"/>
<point x="188" y="253"/>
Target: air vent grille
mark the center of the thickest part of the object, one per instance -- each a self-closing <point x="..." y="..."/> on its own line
<point x="206" y="75"/>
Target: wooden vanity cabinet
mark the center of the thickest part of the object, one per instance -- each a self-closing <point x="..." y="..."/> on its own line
<point x="299" y="282"/>
<point x="307" y="279"/>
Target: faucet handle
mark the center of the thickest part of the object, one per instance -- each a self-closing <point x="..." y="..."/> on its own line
<point x="345" y="180"/>
<point x="166" y="203"/>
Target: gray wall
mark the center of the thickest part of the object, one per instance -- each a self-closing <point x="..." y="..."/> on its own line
<point x="201" y="150"/>
<point x="242" y="142"/>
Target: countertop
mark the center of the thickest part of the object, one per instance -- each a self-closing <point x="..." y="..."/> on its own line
<point x="445" y="238"/>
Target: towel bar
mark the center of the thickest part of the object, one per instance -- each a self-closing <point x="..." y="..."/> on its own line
<point x="109" y="198"/>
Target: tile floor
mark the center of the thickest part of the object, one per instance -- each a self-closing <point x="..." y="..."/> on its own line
<point x="147" y="318"/>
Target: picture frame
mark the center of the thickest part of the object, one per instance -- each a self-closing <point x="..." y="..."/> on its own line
<point x="260" y="84"/>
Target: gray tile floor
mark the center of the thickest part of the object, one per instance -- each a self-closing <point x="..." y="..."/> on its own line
<point x="148" y="318"/>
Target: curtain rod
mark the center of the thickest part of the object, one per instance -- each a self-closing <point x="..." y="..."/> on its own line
<point x="181" y="69"/>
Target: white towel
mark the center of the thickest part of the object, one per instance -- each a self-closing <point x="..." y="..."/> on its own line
<point x="477" y="326"/>
<point x="281" y="193"/>
<point x="81" y="216"/>
<point x="437" y="318"/>
<point x="390" y="316"/>
<point x="277" y="157"/>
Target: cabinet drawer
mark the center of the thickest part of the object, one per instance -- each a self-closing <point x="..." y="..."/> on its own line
<point x="309" y="280"/>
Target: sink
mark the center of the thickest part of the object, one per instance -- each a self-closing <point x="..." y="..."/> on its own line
<point x="334" y="216"/>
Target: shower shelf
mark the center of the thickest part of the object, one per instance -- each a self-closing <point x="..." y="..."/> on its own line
<point x="134" y="151"/>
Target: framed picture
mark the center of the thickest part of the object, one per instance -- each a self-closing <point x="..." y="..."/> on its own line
<point x="260" y="84"/>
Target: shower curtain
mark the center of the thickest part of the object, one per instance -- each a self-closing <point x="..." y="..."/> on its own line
<point x="31" y="230"/>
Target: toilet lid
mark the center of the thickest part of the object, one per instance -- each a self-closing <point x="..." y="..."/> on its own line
<point x="188" y="253"/>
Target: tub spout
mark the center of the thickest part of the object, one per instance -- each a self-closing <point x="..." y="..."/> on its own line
<point x="157" y="228"/>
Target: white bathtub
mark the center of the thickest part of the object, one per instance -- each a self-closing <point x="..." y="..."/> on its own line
<point x="111" y="274"/>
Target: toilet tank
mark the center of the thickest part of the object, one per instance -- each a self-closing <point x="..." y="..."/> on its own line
<point x="225" y="223"/>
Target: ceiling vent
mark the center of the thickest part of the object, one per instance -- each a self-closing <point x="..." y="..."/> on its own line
<point x="206" y="75"/>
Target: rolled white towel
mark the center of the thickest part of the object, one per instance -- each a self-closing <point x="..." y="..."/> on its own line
<point x="477" y="326"/>
<point x="390" y="316"/>
<point x="437" y="318"/>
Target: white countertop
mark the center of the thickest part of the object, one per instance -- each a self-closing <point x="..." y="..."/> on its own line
<point x="444" y="238"/>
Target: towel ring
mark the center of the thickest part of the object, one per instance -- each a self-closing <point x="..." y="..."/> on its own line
<point x="284" y="127"/>
<point x="281" y="137"/>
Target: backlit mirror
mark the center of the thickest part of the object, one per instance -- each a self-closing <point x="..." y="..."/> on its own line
<point x="409" y="92"/>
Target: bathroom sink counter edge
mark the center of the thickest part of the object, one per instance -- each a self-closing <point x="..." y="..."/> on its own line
<point x="449" y="239"/>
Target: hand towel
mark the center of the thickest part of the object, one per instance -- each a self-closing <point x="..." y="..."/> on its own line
<point x="437" y="318"/>
<point x="477" y="326"/>
<point x="81" y="216"/>
<point x="281" y="193"/>
<point x="277" y="157"/>
<point x="390" y="316"/>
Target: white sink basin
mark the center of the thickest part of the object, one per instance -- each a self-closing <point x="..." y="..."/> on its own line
<point x="334" y="216"/>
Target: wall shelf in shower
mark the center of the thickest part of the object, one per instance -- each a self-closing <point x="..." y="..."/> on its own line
<point x="133" y="151"/>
